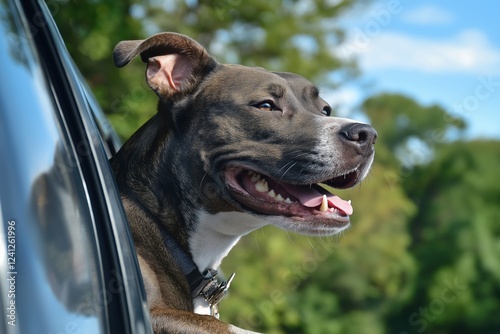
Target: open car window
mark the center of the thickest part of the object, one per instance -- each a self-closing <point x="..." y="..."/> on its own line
<point x="67" y="259"/>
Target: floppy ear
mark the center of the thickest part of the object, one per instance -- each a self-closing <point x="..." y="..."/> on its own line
<point x="176" y="64"/>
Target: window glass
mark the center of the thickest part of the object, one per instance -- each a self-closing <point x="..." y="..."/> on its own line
<point x="51" y="281"/>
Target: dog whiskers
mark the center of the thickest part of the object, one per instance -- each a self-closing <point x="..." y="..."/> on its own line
<point x="282" y="176"/>
<point x="201" y="182"/>
<point x="310" y="243"/>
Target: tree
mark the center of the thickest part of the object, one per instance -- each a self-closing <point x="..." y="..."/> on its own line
<point x="91" y="29"/>
<point x="403" y="124"/>
<point x="456" y="238"/>
<point x="453" y="232"/>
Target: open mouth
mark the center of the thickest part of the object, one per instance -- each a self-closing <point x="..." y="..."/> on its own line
<point x="267" y="196"/>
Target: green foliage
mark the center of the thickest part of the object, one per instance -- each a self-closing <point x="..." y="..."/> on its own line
<point x="91" y="29"/>
<point x="282" y="35"/>
<point x="400" y="118"/>
<point x="456" y="238"/>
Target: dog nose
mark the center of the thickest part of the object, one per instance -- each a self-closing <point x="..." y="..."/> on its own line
<point x="362" y="135"/>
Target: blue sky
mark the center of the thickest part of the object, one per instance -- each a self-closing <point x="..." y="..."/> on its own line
<point x="445" y="52"/>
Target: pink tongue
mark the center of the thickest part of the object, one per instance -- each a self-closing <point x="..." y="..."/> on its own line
<point x="311" y="198"/>
<point x="340" y="204"/>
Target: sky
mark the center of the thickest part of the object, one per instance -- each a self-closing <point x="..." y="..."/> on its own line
<point x="438" y="52"/>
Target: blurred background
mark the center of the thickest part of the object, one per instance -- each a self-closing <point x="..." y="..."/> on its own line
<point x="423" y="253"/>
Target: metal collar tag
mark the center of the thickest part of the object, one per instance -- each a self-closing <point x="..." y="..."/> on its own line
<point x="213" y="291"/>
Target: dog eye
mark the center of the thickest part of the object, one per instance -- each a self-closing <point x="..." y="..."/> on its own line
<point x="267" y="106"/>
<point x="326" y="111"/>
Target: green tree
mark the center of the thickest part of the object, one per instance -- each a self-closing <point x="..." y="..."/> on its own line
<point x="90" y="30"/>
<point x="298" y="36"/>
<point x="456" y="241"/>
<point x="454" y="232"/>
<point x="401" y="121"/>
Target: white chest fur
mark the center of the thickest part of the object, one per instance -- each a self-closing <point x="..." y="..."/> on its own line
<point x="212" y="240"/>
<point x="215" y="235"/>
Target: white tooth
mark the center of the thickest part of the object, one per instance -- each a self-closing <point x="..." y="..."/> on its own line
<point x="279" y="198"/>
<point x="288" y="200"/>
<point x="262" y="186"/>
<point x="324" y="204"/>
<point x="349" y="201"/>
<point x="271" y="193"/>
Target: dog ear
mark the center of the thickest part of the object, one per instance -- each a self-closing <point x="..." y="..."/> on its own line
<point x="176" y="64"/>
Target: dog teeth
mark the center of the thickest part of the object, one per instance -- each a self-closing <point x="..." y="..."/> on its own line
<point x="349" y="201"/>
<point x="324" y="204"/>
<point x="277" y="197"/>
<point x="262" y="186"/>
<point x="255" y="177"/>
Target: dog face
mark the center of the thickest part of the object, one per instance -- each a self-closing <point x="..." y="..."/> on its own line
<point x="262" y="140"/>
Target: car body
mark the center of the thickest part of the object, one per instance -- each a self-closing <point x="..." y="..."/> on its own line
<point x="67" y="261"/>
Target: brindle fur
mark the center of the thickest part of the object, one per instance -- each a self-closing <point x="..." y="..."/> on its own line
<point x="203" y="123"/>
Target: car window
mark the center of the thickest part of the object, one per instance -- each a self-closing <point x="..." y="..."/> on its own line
<point x="71" y="264"/>
<point x="48" y="247"/>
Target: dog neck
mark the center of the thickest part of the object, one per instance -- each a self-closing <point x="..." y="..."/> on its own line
<point x="216" y="234"/>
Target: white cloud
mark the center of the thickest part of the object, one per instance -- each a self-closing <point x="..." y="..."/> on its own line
<point x="468" y="52"/>
<point x="428" y="15"/>
<point x="344" y="97"/>
<point x="344" y="100"/>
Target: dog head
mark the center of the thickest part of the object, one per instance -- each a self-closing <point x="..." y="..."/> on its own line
<point x="254" y="141"/>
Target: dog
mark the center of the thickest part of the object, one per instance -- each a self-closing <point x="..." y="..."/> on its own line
<point x="231" y="149"/>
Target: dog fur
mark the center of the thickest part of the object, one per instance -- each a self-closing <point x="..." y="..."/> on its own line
<point x="183" y="172"/>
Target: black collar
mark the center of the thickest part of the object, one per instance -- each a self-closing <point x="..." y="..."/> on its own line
<point x="200" y="284"/>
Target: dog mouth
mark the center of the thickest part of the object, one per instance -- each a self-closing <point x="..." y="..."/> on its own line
<point x="265" y="195"/>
